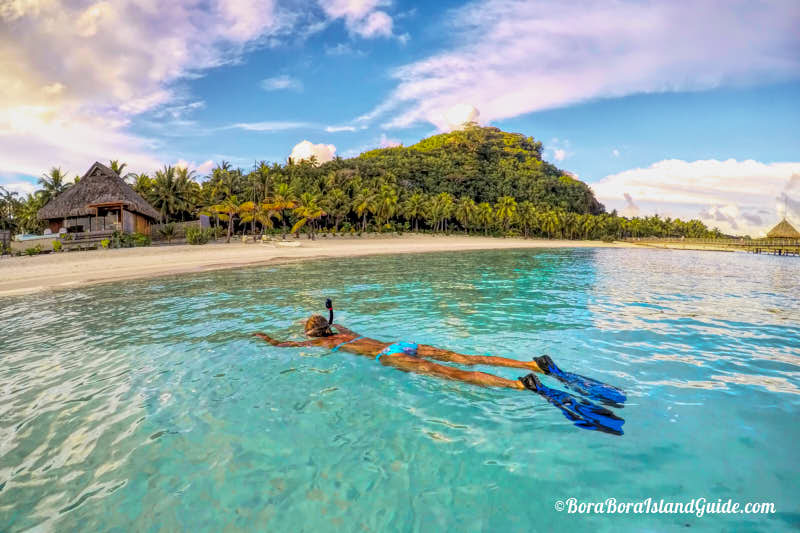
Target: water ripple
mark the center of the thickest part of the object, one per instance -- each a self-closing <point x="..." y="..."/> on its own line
<point x="147" y="404"/>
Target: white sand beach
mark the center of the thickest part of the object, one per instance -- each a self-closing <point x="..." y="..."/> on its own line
<point x="22" y="275"/>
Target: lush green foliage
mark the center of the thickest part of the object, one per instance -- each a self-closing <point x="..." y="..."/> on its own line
<point x="479" y="180"/>
<point x="195" y="235"/>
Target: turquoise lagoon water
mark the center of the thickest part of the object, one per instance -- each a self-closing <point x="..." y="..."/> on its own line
<point x="146" y="406"/>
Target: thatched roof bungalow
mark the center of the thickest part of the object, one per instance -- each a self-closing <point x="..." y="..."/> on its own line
<point x="100" y="201"/>
<point x="783" y="230"/>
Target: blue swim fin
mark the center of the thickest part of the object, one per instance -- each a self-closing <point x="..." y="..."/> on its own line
<point x="581" y="412"/>
<point x="592" y="388"/>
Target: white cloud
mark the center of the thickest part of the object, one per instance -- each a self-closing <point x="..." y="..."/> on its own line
<point x="282" y="82"/>
<point x="74" y="75"/>
<point x="740" y="197"/>
<point x="201" y="170"/>
<point x="559" y="154"/>
<point x="615" y="152"/>
<point x="455" y="116"/>
<point x="336" y="129"/>
<point x="386" y="142"/>
<point x="269" y="126"/>
<point x="361" y="17"/>
<point x="20" y="187"/>
<point x="306" y="149"/>
<point x="512" y="57"/>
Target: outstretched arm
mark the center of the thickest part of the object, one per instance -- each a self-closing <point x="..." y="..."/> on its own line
<point x="286" y="344"/>
<point x="341" y="329"/>
<point x="433" y="352"/>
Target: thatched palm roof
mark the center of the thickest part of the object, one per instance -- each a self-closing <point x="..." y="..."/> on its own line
<point x="783" y="230"/>
<point x="100" y="185"/>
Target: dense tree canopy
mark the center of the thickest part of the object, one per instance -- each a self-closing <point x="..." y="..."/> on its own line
<point x="477" y="179"/>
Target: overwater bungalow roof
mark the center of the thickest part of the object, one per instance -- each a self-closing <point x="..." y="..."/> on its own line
<point x="783" y="230"/>
<point x="98" y="187"/>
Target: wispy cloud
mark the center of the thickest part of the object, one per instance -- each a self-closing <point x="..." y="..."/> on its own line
<point x="342" y="49"/>
<point x="281" y="83"/>
<point x="269" y="126"/>
<point x="361" y="17"/>
<point x="336" y="129"/>
<point x="513" y="56"/>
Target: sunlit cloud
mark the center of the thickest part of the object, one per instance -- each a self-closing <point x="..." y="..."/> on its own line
<point x="104" y="63"/>
<point x="361" y="17"/>
<point x="739" y="197"/>
<point x="512" y="57"/>
<point x="306" y="149"/>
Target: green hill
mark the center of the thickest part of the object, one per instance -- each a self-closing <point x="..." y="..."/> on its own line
<point x="482" y="163"/>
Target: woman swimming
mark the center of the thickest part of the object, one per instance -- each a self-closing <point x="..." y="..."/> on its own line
<point x="411" y="357"/>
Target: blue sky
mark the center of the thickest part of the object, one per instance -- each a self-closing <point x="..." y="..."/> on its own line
<point x="683" y="108"/>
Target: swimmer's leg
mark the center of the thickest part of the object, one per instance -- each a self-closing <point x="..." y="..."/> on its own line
<point x="592" y="388"/>
<point x="581" y="412"/>
<point x="410" y="363"/>
<point x="462" y="359"/>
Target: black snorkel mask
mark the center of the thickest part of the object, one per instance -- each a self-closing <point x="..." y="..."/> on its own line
<point x="329" y="307"/>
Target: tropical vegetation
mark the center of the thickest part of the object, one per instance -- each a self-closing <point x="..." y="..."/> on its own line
<point x="477" y="180"/>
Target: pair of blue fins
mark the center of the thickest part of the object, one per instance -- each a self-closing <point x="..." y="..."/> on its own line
<point x="581" y="411"/>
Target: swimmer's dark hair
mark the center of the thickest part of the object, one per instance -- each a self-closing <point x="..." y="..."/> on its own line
<point x="317" y="326"/>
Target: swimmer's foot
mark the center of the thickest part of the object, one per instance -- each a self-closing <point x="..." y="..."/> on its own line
<point x="582" y="413"/>
<point x="592" y="388"/>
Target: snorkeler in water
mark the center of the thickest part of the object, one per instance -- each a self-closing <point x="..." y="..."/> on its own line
<point x="412" y="357"/>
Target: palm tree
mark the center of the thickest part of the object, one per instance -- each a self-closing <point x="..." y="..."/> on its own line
<point x="505" y="208"/>
<point x="465" y="212"/>
<point x="118" y="168"/>
<point x="309" y="211"/>
<point x="261" y="213"/>
<point x="53" y="183"/>
<point x="337" y="205"/>
<point x="27" y="210"/>
<point x="589" y="225"/>
<point x="142" y="184"/>
<point x="362" y="203"/>
<point x="385" y="204"/>
<point x="526" y="214"/>
<point x="569" y="222"/>
<point x="226" y="210"/>
<point x="414" y="208"/>
<point x="550" y="223"/>
<point x="485" y="216"/>
<point x="168" y="194"/>
<point x="282" y="199"/>
<point x="440" y="208"/>
<point x="8" y="206"/>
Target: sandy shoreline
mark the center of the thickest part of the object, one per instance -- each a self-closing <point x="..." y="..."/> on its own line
<point x="22" y="275"/>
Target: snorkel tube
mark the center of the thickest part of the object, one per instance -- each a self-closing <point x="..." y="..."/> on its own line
<point x="329" y="307"/>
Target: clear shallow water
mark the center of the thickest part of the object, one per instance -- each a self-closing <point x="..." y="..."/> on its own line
<point x="147" y="406"/>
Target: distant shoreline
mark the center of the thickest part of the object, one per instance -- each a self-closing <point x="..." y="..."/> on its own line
<point x="26" y="275"/>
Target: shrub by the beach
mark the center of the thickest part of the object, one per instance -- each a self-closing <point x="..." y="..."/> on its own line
<point x="57" y="246"/>
<point x="195" y="235"/>
<point x="104" y="243"/>
<point x="140" y="239"/>
<point x="168" y="232"/>
<point x="36" y="250"/>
